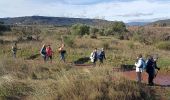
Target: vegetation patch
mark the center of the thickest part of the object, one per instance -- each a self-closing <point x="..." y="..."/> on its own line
<point x="163" y="45"/>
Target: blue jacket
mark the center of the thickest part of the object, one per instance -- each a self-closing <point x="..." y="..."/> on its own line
<point x="101" y="55"/>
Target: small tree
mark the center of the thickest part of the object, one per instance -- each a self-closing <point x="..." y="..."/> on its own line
<point x="80" y="29"/>
<point x="69" y="40"/>
<point x="94" y="30"/>
<point x="108" y="31"/>
<point x="3" y="27"/>
<point x="118" y="27"/>
<point x="101" y="32"/>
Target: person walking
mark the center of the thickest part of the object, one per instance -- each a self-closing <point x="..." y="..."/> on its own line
<point x="139" y="67"/>
<point x="49" y="53"/>
<point x="101" y="56"/>
<point x="14" y="50"/>
<point x="43" y="52"/>
<point x="151" y="69"/>
<point x="93" y="57"/>
<point x="62" y="53"/>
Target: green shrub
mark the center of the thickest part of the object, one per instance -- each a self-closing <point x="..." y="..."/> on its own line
<point x="163" y="45"/>
<point x="101" y="32"/>
<point x="108" y="31"/>
<point x="93" y="36"/>
<point x="80" y="29"/>
<point x="68" y="40"/>
<point x="94" y="30"/>
<point x="3" y="28"/>
<point x="119" y="27"/>
<point x="116" y="28"/>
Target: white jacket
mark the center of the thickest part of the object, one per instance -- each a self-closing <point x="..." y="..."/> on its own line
<point x="92" y="57"/>
<point x="138" y="64"/>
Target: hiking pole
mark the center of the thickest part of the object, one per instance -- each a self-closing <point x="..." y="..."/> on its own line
<point x="156" y="73"/>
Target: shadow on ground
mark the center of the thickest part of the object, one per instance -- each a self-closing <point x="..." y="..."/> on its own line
<point x="32" y="57"/>
<point x="124" y="67"/>
<point x="82" y="60"/>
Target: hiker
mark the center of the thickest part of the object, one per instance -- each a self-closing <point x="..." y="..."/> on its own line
<point x="93" y="57"/>
<point x="101" y="56"/>
<point x="49" y="53"/>
<point x="140" y="64"/>
<point x="62" y="53"/>
<point x="14" y="50"/>
<point x="151" y="69"/>
<point x="43" y="52"/>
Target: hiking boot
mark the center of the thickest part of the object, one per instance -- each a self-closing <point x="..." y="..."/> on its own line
<point x="151" y="84"/>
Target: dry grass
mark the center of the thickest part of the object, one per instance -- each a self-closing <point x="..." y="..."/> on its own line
<point x="36" y="80"/>
<point x="53" y="82"/>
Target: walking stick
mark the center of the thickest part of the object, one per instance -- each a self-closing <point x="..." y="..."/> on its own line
<point x="156" y="73"/>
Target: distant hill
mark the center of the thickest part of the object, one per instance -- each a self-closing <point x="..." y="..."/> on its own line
<point x="59" y="21"/>
<point x="162" y="23"/>
<point x="137" y="23"/>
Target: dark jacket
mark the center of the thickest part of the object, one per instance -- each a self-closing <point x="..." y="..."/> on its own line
<point x="102" y="55"/>
<point x="151" y="66"/>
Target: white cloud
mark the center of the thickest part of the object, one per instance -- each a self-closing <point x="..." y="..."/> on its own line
<point x="136" y="9"/>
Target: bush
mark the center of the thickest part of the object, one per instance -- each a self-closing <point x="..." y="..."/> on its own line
<point x="141" y="38"/>
<point x="108" y="31"/>
<point x="69" y="41"/>
<point x="119" y="27"/>
<point x="3" y="28"/>
<point x="93" y="36"/>
<point x="163" y="45"/>
<point x="94" y="30"/>
<point x="101" y="32"/>
<point x="80" y="29"/>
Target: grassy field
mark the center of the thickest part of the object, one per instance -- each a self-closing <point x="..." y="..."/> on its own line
<point x="25" y="79"/>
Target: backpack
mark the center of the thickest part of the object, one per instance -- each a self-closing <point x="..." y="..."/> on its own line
<point x="63" y="51"/>
<point x="43" y="51"/>
<point x="14" y="48"/>
<point x="143" y="65"/>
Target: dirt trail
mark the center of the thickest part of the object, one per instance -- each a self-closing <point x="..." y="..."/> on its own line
<point x="37" y="61"/>
<point x="162" y="79"/>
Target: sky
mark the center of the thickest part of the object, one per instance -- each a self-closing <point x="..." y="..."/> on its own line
<point x="120" y="10"/>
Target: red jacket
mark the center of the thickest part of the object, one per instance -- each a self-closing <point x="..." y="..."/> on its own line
<point x="49" y="51"/>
